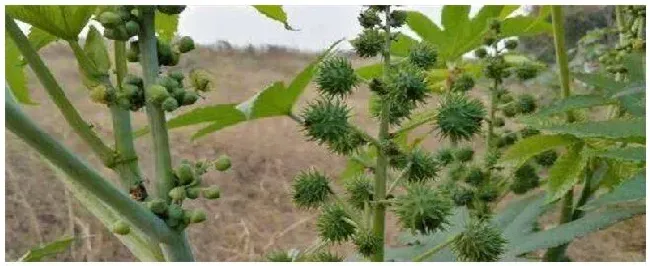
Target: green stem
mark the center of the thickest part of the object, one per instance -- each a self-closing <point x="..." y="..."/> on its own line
<point x="558" y="253"/>
<point x="128" y="168"/>
<point x="433" y="250"/>
<point x="178" y="250"/>
<point x="489" y="139"/>
<point x="379" y="214"/>
<point x="79" y="171"/>
<point x="56" y="93"/>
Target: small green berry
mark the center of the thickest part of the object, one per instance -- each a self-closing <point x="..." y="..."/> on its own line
<point x="368" y="43"/>
<point x="132" y="27"/>
<point x="185" y="173"/>
<point x="423" y="55"/>
<point x="193" y="192"/>
<point x="369" y="18"/>
<point x="157" y="94"/>
<point x="422" y="166"/>
<point x="109" y="19"/>
<point x="174" y="211"/>
<point x="546" y="158"/>
<point x="157" y="206"/>
<point x="177" y="75"/>
<point x="463" y="83"/>
<point x="475" y="176"/>
<point x="170" y="104"/>
<point x="444" y="156"/>
<point x="526" y="103"/>
<point x="190" y="97"/>
<point x="397" y="18"/>
<point x="211" y="192"/>
<point x="197" y="216"/>
<point x="177" y="193"/>
<point x="185" y="44"/>
<point x="222" y="163"/>
<point x="121" y="228"/>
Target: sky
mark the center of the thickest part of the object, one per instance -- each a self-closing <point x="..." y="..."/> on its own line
<point x="319" y="26"/>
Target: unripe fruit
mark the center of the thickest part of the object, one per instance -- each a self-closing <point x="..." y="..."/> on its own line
<point x="120" y="33"/>
<point x="197" y="216"/>
<point x="190" y="97"/>
<point x="459" y="117"/>
<point x="511" y="44"/>
<point x="175" y="212"/>
<point x="133" y="79"/>
<point x="211" y="192"/>
<point x="336" y="77"/>
<point x="157" y="94"/>
<point x="99" y="94"/>
<point x="157" y="206"/>
<point x="397" y="18"/>
<point x="171" y="9"/>
<point x="179" y="94"/>
<point x="185" y="44"/>
<point x="369" y="19"/>
<point x="368" y="43"/>
<point x="489" y="39"/>
<point x="367" y="242"/>
<point x="222" y="163"/>
<point x="170" y="104"/>
<point x="480" y="52"/>
<point x="132" y="56"/>
<point x="121" y="228"/>
<point x="193" y="192"/>
<point x="332" y="224"/>
<point x="177" y="75"/>
<point x="422" y="209"/>
<point x="177" y="193"/>
<point x="185" y="173"/>
<point x="479" y="242"/>
<point x="110" y="19"/>
<point x="132" y="28"/>
<point x="174" y="58"/>
<point x="124" y="13"/>
<point x="464" y="154"/>
<point x="130" y="90"/>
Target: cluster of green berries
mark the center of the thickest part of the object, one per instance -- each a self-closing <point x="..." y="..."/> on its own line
<point x="170" y="93"/>
<point x="120" y="23"/>
<point x="169" y="54"/>
<point x="188" y="181"/>
<point x="371" y="41"/>
<point x="632" y="40"/>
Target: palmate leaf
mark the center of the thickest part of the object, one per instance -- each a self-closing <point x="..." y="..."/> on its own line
<point x="632" y="189"/>
<point x="14" y="72"/>
<point x="630" y="153"/>
<point x="526" y="148"/>
<point x="566" y="172"/>
<point x="40" y="38"/>
<point x="166" y="25"/>
<point x="47" y="250"/>
<point x="65" y="22"/>
<point x="274" y="12"/>
<point x="616" y="129"/>
<point x="617" y="172"/>
<point x="274" y="100"/>
<point x="573" y="102"/>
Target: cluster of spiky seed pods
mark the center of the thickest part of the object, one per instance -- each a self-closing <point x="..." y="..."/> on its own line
<point x="632" y="39"/>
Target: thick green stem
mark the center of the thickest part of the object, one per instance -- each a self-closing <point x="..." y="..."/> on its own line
<point x="79" y="171"/>
<point x="558" y="253"/>
<point x="489" y="139"/>
<point x="70" y="114"/>
<point x="127" y="166"/>
<point x="433" y="250"/>
<point x="179" y="249"/>
<point x="379" y="214"/>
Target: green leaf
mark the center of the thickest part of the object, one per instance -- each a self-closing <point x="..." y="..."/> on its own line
<point x="565" y="233"/>
<point x="455" y="20"/>
<point x="527" y="25"/>
<point x="423" y="27"/>
<point x="274" y="12"/>
<point x="524" y="221"/>
<point x="49" y="249"/>
<point x="526" y="148"/>
<point x="615" y="129"/>
<point x="96" y="50"/>
<point x="635" y="65"/>
<point x="515" y="208"/>
<point x="507" y="10"/>
<point x="40" y="38"/>
<point x="402" y="45"/>
<point x="223" y="115"/>
<point x="573" y="102"/>
<point x="14" y="72"/>
<point x="617" y="172"/>
<point x="630" y="153"/>
<point x="600" y="81"/>
<point x="632" y="189"/>
<point x="566" y="172"/>
<point x="166" y="26"/>
<point x="370" y="71"/>
<point x="62" y="21"/>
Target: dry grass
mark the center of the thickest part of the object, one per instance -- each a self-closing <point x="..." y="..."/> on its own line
<point x="255" y="214"/>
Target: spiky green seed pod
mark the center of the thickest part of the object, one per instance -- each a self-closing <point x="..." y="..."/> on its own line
<point x="475" y="176"/>
<point x="510" y="110"/>
<point x="109" y="19"/>
<point x="190" y="97"/>
<point x="333" y="224"/>
<point x="222" y="163"/>
<point x="398" y="109"/>
<point x="444" y="156"/>
<point x="459" y="118"/>
<point x="211" y="192"/>
<point x="480" y="52"/>
<point x="185" y="44"/>
<point x="511" y="44"/>
<point x="157" y="206"/>
<point x="197" y="216"/>
<point x="397" y="18"/>
<point x="175" y="212"/>
<point x="423" y="55"/>
<point x="193" y="192"/>
<point x="367" y="242"/>
<point x="132" y="28"/>
<point x="507" y="139"/>
<point x="326" y="120"/>
<point x="488" y="193"/>
<point x="480" y="242"/>
<point x="377" y="86"/>
<point x="359" y="190"/>
<point x="499" y="122"/>
<point x="369" y="18"/>
<point x="464" y="154"/>
<point x="170" y="9"/>
<point x="168" y="83"/>
<point x="326" y="257"/>
<point x="177" y="193"/>
<point x="177" y="75"/>
<point x="170" y="104"/>
<point x="368" y="43"/>
<point x="200" y="80"/>
<point x="546" y="158"/>
<point x="463" y="83"/>
<point x="526" y="71"/>
<point x="350" y="143"/>
<point x="525" y="179"/>
<point x="178" y="94"/>
<point x="336" y="77"/>
<point x="185" y="174"/>
<point x="462" y="196"/>
<point x="311" y="189"/>
<point x="422" y="166"/>
<point x="121" y="228"/>
<point x="495" y="68"/>
<point x="157" y="94"/>
<point x="526" y="103"/>
<point x="504" y="96"/>
<point x="279" y="256"/>
<point x="457" y="172"/>
<point x="407" y="84"/>
<point x="422" y="209"/>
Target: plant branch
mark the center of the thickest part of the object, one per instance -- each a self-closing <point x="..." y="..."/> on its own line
<point x="56" y="93"/>
<point x="433" y="250"/>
